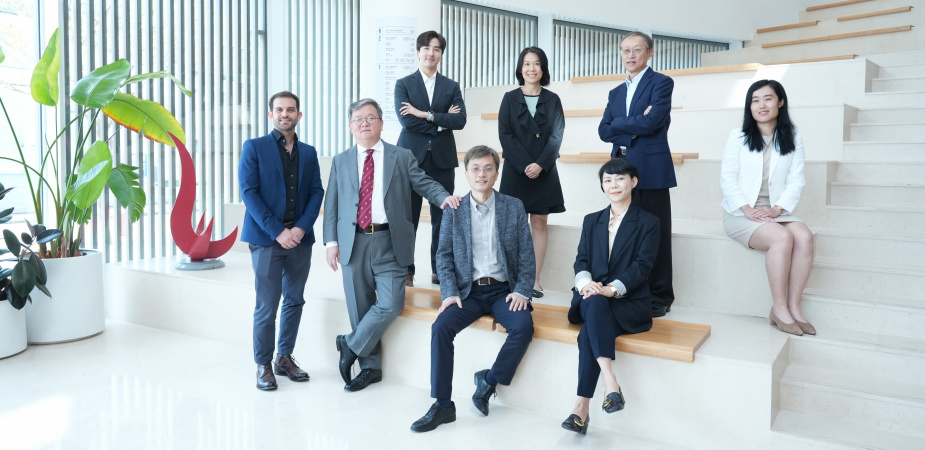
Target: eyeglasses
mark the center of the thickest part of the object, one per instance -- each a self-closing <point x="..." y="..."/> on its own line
<point x="636" y="51"/>
<point x="359" y="121"/>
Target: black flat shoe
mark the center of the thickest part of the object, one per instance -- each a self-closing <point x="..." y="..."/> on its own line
<point x="537" y="294"/>
<point x="659" y="310"/>
<point x="613" y="403"/>
<point x="574" y="423"/>
<point x="347" y="357"/>
<point x="364" y="379"/>
<point x="483" y="391"/>
<point x="436" y="416"/>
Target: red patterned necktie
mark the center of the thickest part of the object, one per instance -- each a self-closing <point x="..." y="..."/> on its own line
<point x="365" y="211"/>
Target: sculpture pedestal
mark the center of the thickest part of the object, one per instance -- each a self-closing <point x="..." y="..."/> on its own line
<point x="206" y="264"/>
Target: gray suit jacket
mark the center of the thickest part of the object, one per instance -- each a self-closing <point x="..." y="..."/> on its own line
<point x="400" y="174"/>
<point x="515" y="248"/>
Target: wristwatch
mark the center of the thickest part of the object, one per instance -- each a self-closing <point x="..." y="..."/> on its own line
<point x="430" y="116"/>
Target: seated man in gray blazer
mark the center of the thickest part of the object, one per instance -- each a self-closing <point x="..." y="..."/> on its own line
<point x="486" y="266"/>
<point x="367" y="225"/>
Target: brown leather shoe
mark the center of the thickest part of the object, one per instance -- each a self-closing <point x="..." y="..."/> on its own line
<point x="409" y="280"/>
<point x="265" y="379"/>
<point x="807" y="328"/>
<point x="287" y="366"/>
<point x="791" y="328"/>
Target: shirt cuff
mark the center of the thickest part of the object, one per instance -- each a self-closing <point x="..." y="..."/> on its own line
<point x="582" y="279"/>
<point x="330" y="244"/>
<point x="618" y="285"/>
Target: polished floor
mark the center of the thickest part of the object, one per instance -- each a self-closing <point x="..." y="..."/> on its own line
<point x="134" y="387"/>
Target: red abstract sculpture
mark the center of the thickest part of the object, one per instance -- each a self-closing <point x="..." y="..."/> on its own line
<point x="195" y="243"/>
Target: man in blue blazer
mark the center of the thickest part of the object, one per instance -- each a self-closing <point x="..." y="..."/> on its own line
<point x="430" y="107"/>
<point x="636" y="121"/>
<point x="281" y="187"/>
<point x="486" y="265"/>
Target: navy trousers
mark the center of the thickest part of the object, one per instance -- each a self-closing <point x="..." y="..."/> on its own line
<point x="278" y="272"/>
<point x="658" y="203"/>
<point x="482" y="300"/>
<point x="596" y="338"/>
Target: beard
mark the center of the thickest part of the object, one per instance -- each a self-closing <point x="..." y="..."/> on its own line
<point x="284" y="128"/>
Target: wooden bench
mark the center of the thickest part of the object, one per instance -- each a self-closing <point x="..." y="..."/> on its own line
<point x="832" y="37"/>
<point x="788" y="27"/>
<point x="882" y="12"/>
<point x="668" y="339"/>
<point x="600" y="158"/>
<point x="674" y="72"/>
<point x="834" y="5"/>
<point x="568" y="113"/>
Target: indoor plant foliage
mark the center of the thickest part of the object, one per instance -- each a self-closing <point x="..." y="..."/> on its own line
<point x="17" y="283"/>
<point x="71" y="191"/>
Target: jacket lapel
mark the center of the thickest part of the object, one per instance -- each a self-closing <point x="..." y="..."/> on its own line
<point x="389" y="161"/>
<point x="634" y="105"/>
<point x="421" y="94"/>
<point x="524" y="119"/>
<point x="627" y="228"/>
<point x="465" y="227"/>
<point x="352" y="170"/>
<point x="620" y="101"/>
<point x="439" y="86"/>
<point x="599" y="252"/>
<point x="273" y="149"/>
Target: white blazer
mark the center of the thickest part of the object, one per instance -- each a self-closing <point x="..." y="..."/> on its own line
<point x="741" y="172"/>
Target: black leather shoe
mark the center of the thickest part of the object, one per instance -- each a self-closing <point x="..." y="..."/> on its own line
<point x="483" y="391"/>
<point x="347" y="357"/>
<point x="287" y="366"/>
<point x="435" y="416"/>
<point x="613" y="403"/>
<point x="574" y="423"/>
<point x="409" y="280"/>
<point x="435" y="279"/>
<point x="365" y="378"/>
<point x="265" y="379"/>
<point x="537" y="293"/>
<point x="659" y="310"/>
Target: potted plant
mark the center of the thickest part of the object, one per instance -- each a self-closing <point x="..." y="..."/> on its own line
<point x="65" y="193"/>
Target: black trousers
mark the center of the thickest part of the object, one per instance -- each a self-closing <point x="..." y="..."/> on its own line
<point x="482" y="300"/>
<point x="658" y="203"/>
<point x="447" y="179"/>
<point x="596" y="338"/>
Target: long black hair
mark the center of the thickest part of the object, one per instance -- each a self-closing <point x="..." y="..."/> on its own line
<point x="544" y="65"/>
<point x="785" y="129"/>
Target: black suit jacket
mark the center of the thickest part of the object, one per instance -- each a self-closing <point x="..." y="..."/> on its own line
<point x="632" y="257"/>
<point x="417" y="134"/>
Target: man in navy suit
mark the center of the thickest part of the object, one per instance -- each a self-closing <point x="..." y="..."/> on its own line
<point x="281" y="187"/>
<point x="636" y="122"/>
<point x="431" y="107"/>
<point x="486" y="265"/>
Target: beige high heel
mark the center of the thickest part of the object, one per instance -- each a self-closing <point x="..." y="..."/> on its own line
<point x="791" y="328"/>
<point x="806" y="327"/>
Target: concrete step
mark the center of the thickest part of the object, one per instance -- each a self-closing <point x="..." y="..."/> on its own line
<point x="905" y="70"/>
<point x="876" y="219"/>
<point x="884" y="151"/>
<point x="836" y="276"/>
<point x="839" y="434"/>
<point x="900" y="173"/>
<point x="873" y="247"/>
<point x="902" y="84"/>
<point x="898" y="318"/>
<point x="885" y="195"/>
<point x="855" y="8"/>
<point x="909" y="99"/>
<point x="832" y="26"/>
<point x="914" y="57"/>
<point x="891" y="115"/>
<point x="897" y="132"/>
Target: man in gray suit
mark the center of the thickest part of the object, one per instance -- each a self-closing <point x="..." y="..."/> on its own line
<point x="486" y="266"/>
<point x="367" y="226"/>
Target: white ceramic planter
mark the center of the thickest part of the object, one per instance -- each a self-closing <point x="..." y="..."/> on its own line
<point x="76" y="309"/>
<point x="12" y="330"/>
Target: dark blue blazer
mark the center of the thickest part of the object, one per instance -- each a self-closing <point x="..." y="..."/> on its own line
<point x="417" y="133"/>
<point x="260" y="175"/>
<point x="631" y="259"/>
<point x="648" y="151"/>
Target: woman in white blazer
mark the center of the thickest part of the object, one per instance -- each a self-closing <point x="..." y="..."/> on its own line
<point x="762" y="179"/>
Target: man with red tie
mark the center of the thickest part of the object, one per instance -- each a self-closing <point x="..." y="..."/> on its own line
<point x="368" y="228"/>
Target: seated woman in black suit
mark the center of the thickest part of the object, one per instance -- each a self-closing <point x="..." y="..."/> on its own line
<point x="616" y="252"/>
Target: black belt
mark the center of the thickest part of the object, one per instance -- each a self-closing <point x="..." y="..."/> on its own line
<point x="487" y="281"/>
<point x="373" y="228"/>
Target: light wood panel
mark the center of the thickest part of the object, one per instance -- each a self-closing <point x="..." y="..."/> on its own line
<point x="787" y="27"/>
<point x="883" y="12"/>
<point x="832" y="37"/>
<point x="834" y="5"/>
<point x="826" y="58"/>
<point x="597" y="157"/>
<point x="568" y="113"/>
<point x="675" y="72"/>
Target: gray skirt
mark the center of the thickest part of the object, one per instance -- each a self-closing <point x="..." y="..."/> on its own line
<point x="740" y="228"/>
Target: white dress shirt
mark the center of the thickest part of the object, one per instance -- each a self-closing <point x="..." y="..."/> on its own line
<point x="378" y="207"/>
<point x="429" y="84"/>
<point x="485" y="261"/>
<point x="631" y="86"/>
<point x="583" y="278"/>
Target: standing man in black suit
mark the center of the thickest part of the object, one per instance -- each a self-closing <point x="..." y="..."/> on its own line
<point x="636" y="123"/>
<point x="431" y="107"/>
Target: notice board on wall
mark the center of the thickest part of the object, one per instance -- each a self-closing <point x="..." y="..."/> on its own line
<point x="395" y="58"/>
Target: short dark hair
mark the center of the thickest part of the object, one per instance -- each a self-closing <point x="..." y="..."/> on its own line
<point x="284" y="94"/>
<point x="480" y="151"/>
<point x="783" y="132"/>
<point x="617" y="166"/>
<point x="650" y="44"/>
<point x="427" y="36"/>
<point x="361" y="103"/>
<point x="544" y="65"/>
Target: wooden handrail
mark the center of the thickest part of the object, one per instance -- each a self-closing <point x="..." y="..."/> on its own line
<point x="787" y="27"/>
<point x="875" y="13"/>
<point x="839" y="36"/>
<point x="675" y="72"/>
<point x="825" y="58"/>
<point x="834" y="5"/>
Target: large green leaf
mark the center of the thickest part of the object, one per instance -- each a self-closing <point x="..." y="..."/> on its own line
<point x="97" y="89"/>
<point x="161" y="74"/>
<point x="24" y="278"/>
<point x="144" y="116"/>
<point x="92" y="176"/>
<point x="123" y="182"/>
<point x="45" y="76"/>
<point x="12" y="242"/>
<point x="17" y="301"/>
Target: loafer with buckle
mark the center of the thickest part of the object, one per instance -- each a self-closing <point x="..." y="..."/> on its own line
<point x="365" y="378"/>
<point x="286" y="365"/>
<point x="483" y="391"/>
<point x="265" y="379"/>
<point x="613" y="402"/>
<point x="347" y="357"/>
<point x="574" y="423"/>
<point x="436" y="416"/>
